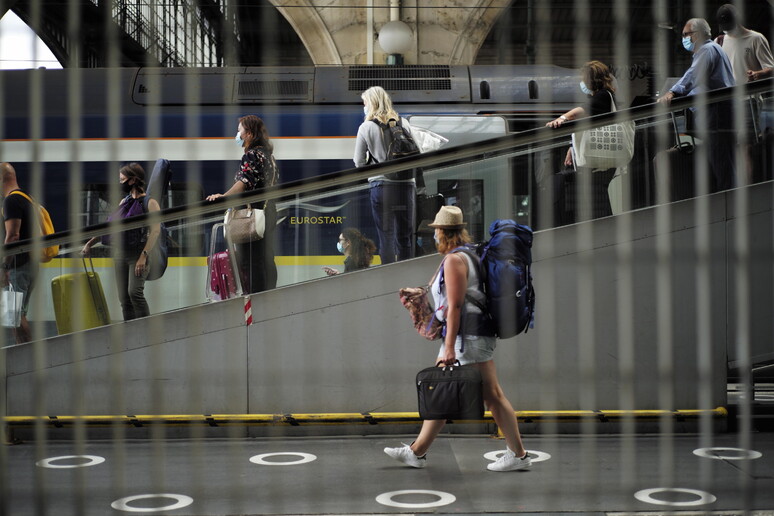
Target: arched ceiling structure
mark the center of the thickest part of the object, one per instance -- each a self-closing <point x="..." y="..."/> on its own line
<point x="89" y="33"/>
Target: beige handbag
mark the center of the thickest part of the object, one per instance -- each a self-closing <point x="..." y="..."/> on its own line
<point x="245" y="225"/>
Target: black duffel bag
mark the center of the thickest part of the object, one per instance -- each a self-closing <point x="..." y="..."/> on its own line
<point x="450" y="392"/>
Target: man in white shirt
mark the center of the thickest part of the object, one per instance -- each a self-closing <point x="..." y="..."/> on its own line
<point x="751" y="59"/>
<point x="748" y="51"/>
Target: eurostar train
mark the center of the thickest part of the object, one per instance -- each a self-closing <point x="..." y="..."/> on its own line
<point x="72" y="129"/>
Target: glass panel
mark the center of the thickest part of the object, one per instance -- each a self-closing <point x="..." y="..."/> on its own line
<point x="529" y="183"/>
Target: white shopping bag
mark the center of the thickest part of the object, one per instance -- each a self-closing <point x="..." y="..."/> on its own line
<point x="10" y="307"/>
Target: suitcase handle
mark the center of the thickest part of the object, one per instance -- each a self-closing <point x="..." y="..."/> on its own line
<point x="678" y="144"/>
<point x="94" y="296"/>
<point x="232" y="257"/>
<point x="756" y="129"/>
<point x="83" y="259"/>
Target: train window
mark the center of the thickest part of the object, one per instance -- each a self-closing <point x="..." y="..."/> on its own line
<point x="463" y="129"/>
<point x="95" y="206"/>
<point x="534" y="93"/>
<point x="484" y="90"/>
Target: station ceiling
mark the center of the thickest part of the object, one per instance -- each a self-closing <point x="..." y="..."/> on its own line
<point x="560" y="32"/>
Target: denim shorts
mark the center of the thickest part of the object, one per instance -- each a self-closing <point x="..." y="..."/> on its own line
<point x="477" y="349"/>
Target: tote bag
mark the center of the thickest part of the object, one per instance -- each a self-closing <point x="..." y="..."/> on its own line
<point x="245" y="225"/>
<point x="602" y="148"/>
<point x="10" y="307"/>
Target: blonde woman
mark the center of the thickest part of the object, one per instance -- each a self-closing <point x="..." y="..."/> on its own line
<point x="393" y="201"/>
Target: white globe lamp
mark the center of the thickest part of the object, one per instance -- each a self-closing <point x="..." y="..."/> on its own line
<point x="395" y="38"/>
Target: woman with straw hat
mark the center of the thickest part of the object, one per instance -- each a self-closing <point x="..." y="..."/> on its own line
<point x="460" y="281"/>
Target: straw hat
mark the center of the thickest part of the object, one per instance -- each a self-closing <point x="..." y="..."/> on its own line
<point x="448" y="217"/>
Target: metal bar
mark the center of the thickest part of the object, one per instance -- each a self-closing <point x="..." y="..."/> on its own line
<point x="345" y="418"/>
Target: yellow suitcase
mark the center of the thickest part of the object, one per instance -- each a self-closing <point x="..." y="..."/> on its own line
<point x="79" y="301"/>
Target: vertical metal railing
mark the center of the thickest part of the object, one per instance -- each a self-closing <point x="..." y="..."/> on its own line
<point x="177" y="33"/>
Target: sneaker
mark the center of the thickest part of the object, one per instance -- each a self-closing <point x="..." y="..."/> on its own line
<point x="406" y="455"/>
<point x="510" y="462"/>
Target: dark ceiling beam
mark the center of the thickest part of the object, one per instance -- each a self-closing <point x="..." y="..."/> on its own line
<point x="91" y="45"/>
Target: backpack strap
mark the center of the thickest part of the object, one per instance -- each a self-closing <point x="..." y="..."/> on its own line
<point x="34" y="204"/>
<point x="19" y="192"/>
<point x="482" y="323"/>
<point x="26" y="196"/>
<point x="384" y="129"/>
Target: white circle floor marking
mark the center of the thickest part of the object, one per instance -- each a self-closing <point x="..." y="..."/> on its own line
<point x="443" y="499"/>
<point x="91" y="460"/>
<point x="646" y="495"/>
<point x="261" y="459"/>
<point x="536" y="456"/>
<point x="720" y="453"/>
<point x="123" y="503"/>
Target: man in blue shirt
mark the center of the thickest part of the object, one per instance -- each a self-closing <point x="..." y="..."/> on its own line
<point x="709" y="70"/>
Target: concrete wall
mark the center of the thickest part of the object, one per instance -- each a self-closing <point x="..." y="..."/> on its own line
<point x="633" y="312"/>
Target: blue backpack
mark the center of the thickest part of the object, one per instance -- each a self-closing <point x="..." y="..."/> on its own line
<point x="505" y="263"/>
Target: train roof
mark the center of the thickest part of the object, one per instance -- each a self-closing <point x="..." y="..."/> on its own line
<point x="239" y="86"/>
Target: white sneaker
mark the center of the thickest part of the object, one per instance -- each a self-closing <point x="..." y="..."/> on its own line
<point x="406" y="455"/>
<point x="510" y="462"/>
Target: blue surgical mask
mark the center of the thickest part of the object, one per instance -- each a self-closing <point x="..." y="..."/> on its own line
<point x="585" y="89"/>
<point x="238" y="139"/>
<point x="339" y="247"/>
<point x="688" y="44"/>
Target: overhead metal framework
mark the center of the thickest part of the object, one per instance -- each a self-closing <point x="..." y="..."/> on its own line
<point x="97" y="33"/>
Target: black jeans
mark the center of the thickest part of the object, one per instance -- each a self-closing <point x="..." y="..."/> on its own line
<point x="256" y="259"/>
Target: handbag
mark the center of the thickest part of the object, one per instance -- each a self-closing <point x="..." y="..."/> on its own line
<point x="450" y="392"/>
<point x="602" y="148"/>
<point x="417" y="302"/>
<point x="10" y="307"/>
<point x="244" y="225"/>
<point x="415" y="299"/>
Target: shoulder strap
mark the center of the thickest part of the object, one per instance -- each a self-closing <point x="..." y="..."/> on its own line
<point x="19" y="192"/>
<point x="438" y="271"/>
<point x="479" y="274"/>
<point x="382" y="129"/>
<point x="473" y="258"/>
<point x="612" y="100"/>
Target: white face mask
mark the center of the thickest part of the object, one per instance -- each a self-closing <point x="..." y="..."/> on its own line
<point x="238" y="139"/>
<point x="365" y="110"/>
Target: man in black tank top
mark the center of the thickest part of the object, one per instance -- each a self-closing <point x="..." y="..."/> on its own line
<point x="19" y="270"/>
